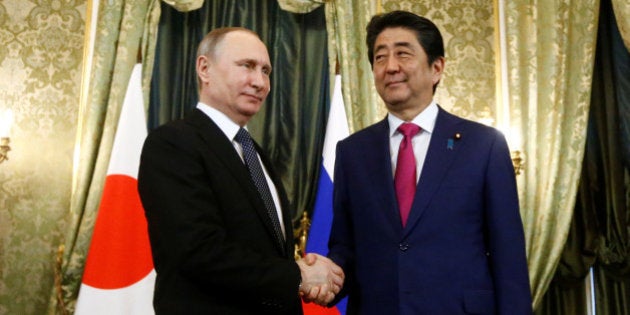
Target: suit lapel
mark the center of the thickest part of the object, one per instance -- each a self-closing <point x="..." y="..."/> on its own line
<point x="223" y="149"/>
<point x="442" y="151"/>
<point x="382" y="173"/>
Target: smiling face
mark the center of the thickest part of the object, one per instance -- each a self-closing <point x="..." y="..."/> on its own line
<point x="402" y="74"/>
<point x="235" y="78"/>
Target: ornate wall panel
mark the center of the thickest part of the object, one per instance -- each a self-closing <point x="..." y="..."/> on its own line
<point x="41" y="48"/>
<point x="468" y="86"/>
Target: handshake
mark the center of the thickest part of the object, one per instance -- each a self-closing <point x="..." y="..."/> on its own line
<point x="322" y="279"/>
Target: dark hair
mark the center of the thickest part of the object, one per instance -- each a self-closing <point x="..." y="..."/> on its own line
<point x="427" y="33"/>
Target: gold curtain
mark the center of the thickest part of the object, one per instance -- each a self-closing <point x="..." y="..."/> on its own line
<point x="121" y="30"/>
<point x="345" y="23"/>
<point x="550" y="53"/>
<point x="622" y="15"/>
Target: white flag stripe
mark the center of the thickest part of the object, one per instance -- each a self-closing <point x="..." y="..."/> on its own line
<point x="132" y="129"/>
<point x="336" y="129"/>
<point x="134" y="299"/>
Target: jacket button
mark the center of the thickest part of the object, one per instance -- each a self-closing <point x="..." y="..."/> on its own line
<point x="403" y="247"/>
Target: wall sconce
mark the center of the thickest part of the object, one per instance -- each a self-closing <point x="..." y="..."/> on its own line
<point x="6" y="119"/>
<point x="517" y="161"/>
<point x="514" y="141"/>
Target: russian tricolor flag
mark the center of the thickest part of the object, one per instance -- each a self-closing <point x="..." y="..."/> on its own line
<point x="119" y="277"/>
<point x="336" y="129"/>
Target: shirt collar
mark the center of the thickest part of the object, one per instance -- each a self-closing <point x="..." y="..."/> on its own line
<point x="226" y="125"/>
<point x="426" y="119"/>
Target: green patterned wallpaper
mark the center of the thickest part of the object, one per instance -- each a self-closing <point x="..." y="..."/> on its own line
<point x="41" y="49"/>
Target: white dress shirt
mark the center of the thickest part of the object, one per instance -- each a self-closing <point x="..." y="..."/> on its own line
<point x="420" y="142"/>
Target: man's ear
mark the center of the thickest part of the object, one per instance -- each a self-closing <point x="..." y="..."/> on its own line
<point x="438" y="69"/>
<point x="202" y="65"/>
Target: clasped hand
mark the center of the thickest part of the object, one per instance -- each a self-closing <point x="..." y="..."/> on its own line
<point x="322" y="279"/>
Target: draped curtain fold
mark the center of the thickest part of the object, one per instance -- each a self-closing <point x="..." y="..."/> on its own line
<point x="122" y="29"/>
<point x="290" y="125"/>
<point x="345" y="24"/>
<point x="346" y="21"/>
<point x="550" y="52"/>
<point x="566" y="293"/>
<point x="622" y="14"/>
<point x="609" y="171"/>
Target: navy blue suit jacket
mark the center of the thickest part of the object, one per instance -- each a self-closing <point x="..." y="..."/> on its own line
<point x="462" y="250"/>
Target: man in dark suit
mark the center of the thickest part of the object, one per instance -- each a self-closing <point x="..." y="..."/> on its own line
<point x="426" y="216"/>
<point x="219" y="220"/>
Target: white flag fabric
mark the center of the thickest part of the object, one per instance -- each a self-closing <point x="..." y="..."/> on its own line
<point x="336" y="130"/>
<point x="119" y="277"/>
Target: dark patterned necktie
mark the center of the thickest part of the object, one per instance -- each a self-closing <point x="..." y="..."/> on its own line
<point x="405" y="178"/>
<point x="258" y="176"/>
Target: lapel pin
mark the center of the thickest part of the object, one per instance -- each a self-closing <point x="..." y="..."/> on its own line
<point x="451" y="141"/>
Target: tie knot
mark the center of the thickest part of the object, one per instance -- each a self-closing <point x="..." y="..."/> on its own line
<point x="242" y="136"/>
<point x="409" y="129"/>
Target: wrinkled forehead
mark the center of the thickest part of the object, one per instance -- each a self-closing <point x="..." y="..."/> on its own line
<point x="242" y="45"/>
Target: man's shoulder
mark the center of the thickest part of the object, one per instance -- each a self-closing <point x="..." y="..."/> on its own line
<point x="370" y="132"/>
<point x="445" y="117"/>
<point x="193" y="118"/>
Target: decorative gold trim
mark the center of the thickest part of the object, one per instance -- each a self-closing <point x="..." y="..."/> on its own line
<point x="61" y="305"/>
<point x="301" y="233"/>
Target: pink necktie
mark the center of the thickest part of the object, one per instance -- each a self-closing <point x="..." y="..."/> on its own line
<point x="405" y="177"/>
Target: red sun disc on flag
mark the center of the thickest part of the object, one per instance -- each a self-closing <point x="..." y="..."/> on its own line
<point x="120" y="253"/>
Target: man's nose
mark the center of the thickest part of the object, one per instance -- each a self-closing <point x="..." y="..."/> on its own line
<point x="259" y="79"/>
<point x="392" y="65"/>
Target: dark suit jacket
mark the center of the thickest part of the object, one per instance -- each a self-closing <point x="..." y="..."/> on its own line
<point x="462" y="250"/>
<point x="212" y="240"/>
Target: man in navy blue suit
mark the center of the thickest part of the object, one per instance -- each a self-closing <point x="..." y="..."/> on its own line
<point x="426" y="215"/>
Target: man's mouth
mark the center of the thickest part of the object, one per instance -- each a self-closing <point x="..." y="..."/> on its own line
<point x="253" y="96"/>
<point x="393" y="83"/>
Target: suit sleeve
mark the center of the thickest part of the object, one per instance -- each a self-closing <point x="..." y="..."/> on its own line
<point x="341" y="241"/>
<point x="505" y="233"/>
<point x="188" y="236"/>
